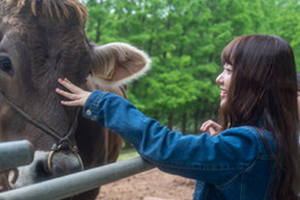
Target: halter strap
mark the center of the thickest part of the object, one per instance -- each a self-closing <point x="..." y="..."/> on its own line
<point x="38" y="124"/>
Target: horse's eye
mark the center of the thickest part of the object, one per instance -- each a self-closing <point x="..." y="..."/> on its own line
<point x="6" y="66"/>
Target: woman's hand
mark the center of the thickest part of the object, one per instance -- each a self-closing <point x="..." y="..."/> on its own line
<point x="211" y="127"/>
<point x="77" y="96"/>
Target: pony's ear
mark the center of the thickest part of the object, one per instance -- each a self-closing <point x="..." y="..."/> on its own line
<point x="118" y="63"/>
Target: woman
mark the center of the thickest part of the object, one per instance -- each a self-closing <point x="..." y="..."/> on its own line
<point x="255" y="153"/>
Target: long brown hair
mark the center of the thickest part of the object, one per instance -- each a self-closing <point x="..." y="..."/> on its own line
<point x="263" y="92"/>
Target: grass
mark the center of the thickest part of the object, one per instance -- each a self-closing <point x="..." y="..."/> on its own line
<point x="127" y="154"/>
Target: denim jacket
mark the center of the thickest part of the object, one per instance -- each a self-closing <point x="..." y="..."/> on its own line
<point x="236" y="164"/>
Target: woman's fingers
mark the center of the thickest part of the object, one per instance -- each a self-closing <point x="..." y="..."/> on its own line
<point x="72" y="103"/>
<point x="66" y="94"/>
<point x="211" y="127"/>
<point x="206" y="125"/>
<point x="212" y="131"/>
<point x="77" y="96"/>
<point x="70" y="86"/>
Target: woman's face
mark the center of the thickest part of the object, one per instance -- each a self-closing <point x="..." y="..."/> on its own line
<point x="224" y="80"/>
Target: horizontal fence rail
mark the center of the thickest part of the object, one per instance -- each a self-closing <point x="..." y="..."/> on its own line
<point x="15" y="153"/>
<point x="79" y="182"/>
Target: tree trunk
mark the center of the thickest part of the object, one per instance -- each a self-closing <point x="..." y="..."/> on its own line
<point x="98" y="34"/>
<point x="196" y="121"/>
<point x="170" y="120"/>
<point x="183" y="125"/>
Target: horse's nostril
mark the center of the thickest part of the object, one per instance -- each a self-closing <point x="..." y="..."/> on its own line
<point x="42" y="169"/>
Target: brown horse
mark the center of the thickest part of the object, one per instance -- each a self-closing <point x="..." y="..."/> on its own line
<point x="41" y="41"/>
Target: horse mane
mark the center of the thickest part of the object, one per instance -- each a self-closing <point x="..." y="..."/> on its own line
<point x="51" y="9"/>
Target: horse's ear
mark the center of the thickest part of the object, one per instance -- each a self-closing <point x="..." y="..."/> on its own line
<point x="118" y="63"/>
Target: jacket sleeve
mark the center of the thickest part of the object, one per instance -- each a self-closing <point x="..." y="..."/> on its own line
<point x="201" y="157"/>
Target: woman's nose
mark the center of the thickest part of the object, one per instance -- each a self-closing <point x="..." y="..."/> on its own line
<point x="219" y="79"/>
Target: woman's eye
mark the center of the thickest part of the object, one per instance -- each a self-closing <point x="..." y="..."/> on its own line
<point x="228" y="70"/>
<point x="5" y="65"/>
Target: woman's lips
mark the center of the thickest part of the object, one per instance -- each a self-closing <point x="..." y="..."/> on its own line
<point x="223" y="94"/>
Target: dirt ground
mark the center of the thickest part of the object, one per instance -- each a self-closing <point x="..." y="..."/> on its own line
<point x="150" y="185"/>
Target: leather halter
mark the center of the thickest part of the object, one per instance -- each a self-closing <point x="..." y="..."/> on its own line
<point x="63" y="142"/>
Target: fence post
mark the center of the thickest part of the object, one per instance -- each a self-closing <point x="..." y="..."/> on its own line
<point x="15" y="153"/>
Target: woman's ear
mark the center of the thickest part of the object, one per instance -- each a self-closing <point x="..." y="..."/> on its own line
<point x="118" y="63"/>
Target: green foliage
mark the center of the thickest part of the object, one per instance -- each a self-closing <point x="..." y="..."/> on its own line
<point x="185" y="40"/>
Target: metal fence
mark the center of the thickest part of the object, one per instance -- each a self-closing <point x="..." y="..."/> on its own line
<point x="79" y="182"/>
<point x="14" y="154"/>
